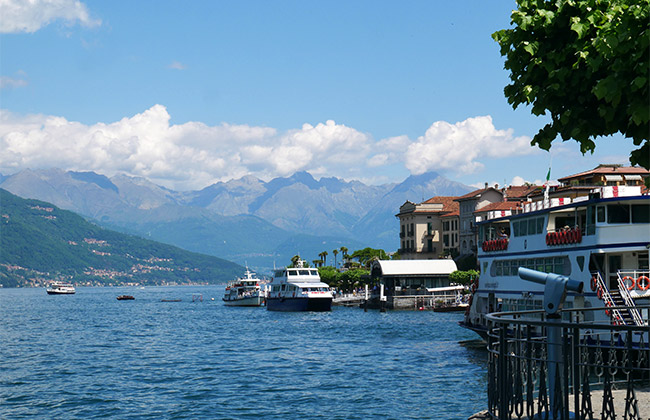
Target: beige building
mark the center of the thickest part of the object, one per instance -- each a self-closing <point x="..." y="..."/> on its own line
<point x="468" y="204"/>
<point x="421" y="228"/>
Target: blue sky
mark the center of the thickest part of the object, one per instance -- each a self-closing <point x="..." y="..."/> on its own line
<point x="190" y="93"/>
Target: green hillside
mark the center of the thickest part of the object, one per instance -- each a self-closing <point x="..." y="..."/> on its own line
<point x="40" y="242"/>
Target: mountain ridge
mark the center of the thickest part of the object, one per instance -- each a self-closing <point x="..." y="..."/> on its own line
<point x="239" y="219"/>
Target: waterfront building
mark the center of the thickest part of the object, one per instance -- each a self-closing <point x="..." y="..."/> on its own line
<point x="408" y="282"/>
<point x="468" y="204"/>
<point x="450" y="223"/>
<point x="422" y="228"/>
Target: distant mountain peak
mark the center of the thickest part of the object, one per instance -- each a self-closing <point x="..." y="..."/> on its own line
<point x="94" y="178"/>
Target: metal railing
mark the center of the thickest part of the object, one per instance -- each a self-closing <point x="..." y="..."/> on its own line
<point x="603" y="293"/>
<point x="628" y="301"/>
<point x="566" y="368"/>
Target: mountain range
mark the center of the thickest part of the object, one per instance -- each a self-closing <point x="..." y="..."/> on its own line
<point x="40" y="243"/>
<point x="246" y="220"/>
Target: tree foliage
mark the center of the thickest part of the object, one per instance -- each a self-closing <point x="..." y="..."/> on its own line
<point x="585" y="62"/>
<point x="463" y="277"/>
<point x="366" y="255"/>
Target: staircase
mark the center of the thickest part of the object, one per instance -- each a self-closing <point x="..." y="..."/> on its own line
<point x="618" y="302"/>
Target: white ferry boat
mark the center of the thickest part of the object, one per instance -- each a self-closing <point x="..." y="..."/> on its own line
<point x="599" y="236"/>
<point x="60" y="288"/>
<point x="244" y="291"/>
<point x="298" y="289"/>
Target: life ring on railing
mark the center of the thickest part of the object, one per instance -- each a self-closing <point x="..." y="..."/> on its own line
<point x="599" y="293"/>
<point x="631" y="286"/>
<point x="608" y="305"/>
<point x="548" y="238"/>
<point x="643" y="279"/>
<point x="578" y="236"/>
<point x="594" y="283"/>
<point x="572" y="236"/>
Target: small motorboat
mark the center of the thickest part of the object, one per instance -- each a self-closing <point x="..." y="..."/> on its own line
<point x="125" y="297"/>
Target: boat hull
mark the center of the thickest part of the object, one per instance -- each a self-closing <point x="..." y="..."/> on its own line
<point x="60" y="292"/>
<point x="249" y="301"/>
<point x="299" y="304"/>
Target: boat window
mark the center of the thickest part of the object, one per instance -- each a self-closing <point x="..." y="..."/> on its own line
<point x="304" y="272"/>
<point x="557" y="265"/>
<point x="600" y="214"/>
<point x="591" y="221"/>
<point x="292" y="273"/>
<point x="640" y="213"/>
<point x="284" y="286"/>
<point x="525" y="227"/>
<point x="618" y="213"/>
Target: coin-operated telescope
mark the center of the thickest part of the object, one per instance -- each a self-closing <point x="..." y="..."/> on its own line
<point x="555" y="290"/>
<point x="555" y="287"/>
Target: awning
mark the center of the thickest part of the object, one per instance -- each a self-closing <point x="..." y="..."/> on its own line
<point x="633" y="178"/>
<point x="613" y="178"/>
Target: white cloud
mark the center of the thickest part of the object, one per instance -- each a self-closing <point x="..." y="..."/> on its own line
<point x="184" y="156"/>
<point x="193" y="155"/>
<point x="177" y="65"/>
<point x="459" y="147"/>
<point x="30" y="16"/>
<point x="10" y="82"/>
<point x="517" y="181"/>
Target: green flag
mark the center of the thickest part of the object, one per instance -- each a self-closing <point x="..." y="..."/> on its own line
<point x="548" y="175"/>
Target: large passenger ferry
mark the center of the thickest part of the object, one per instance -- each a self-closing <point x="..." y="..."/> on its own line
<point x="597" y="235"/>
<point x="298" y="288"/>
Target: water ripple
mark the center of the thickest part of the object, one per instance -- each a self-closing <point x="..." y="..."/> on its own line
<point x="90" y="356"/>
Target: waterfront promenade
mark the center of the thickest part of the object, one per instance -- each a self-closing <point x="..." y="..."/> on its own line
<point x="642" y="396"/>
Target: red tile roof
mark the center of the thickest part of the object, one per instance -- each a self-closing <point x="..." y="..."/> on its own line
<point x="499" y="205"/>
<point x="520" y="191"/>
<point x="609" y="170"/>
<point x="448" y="203"/>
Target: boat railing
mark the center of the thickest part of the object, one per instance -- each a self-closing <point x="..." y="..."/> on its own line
<point x="540" y="366"/>
<point x="603" y="294"/>
<point x="627" y="299"/>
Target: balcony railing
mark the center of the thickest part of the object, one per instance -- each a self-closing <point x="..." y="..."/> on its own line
<point x="567" y="368"/>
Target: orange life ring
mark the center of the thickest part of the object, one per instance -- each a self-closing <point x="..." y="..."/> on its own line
<point x="631" y="286"/>
<point x="572" y="236"/>
<point x="578" y="235"/>
<point x="548" y="238"/>
<point x="594" y="283"/>
<point x="599" y="293"/>
<point x="645" y="280"/>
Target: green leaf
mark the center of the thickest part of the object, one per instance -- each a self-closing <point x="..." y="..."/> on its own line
<point x="578" y="27"/>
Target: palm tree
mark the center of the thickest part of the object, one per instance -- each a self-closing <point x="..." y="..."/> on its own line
<point x="335" y="252"/>
<point x="325" y="257"/>
<point x="344" y="253"/>
<point x="294" y="260"/>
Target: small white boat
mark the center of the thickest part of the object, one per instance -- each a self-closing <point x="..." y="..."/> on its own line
<point x="244" y="291"/>
<point x="60" y="288"/>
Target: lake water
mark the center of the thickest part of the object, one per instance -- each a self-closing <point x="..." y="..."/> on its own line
<point x="90" y="356"/>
